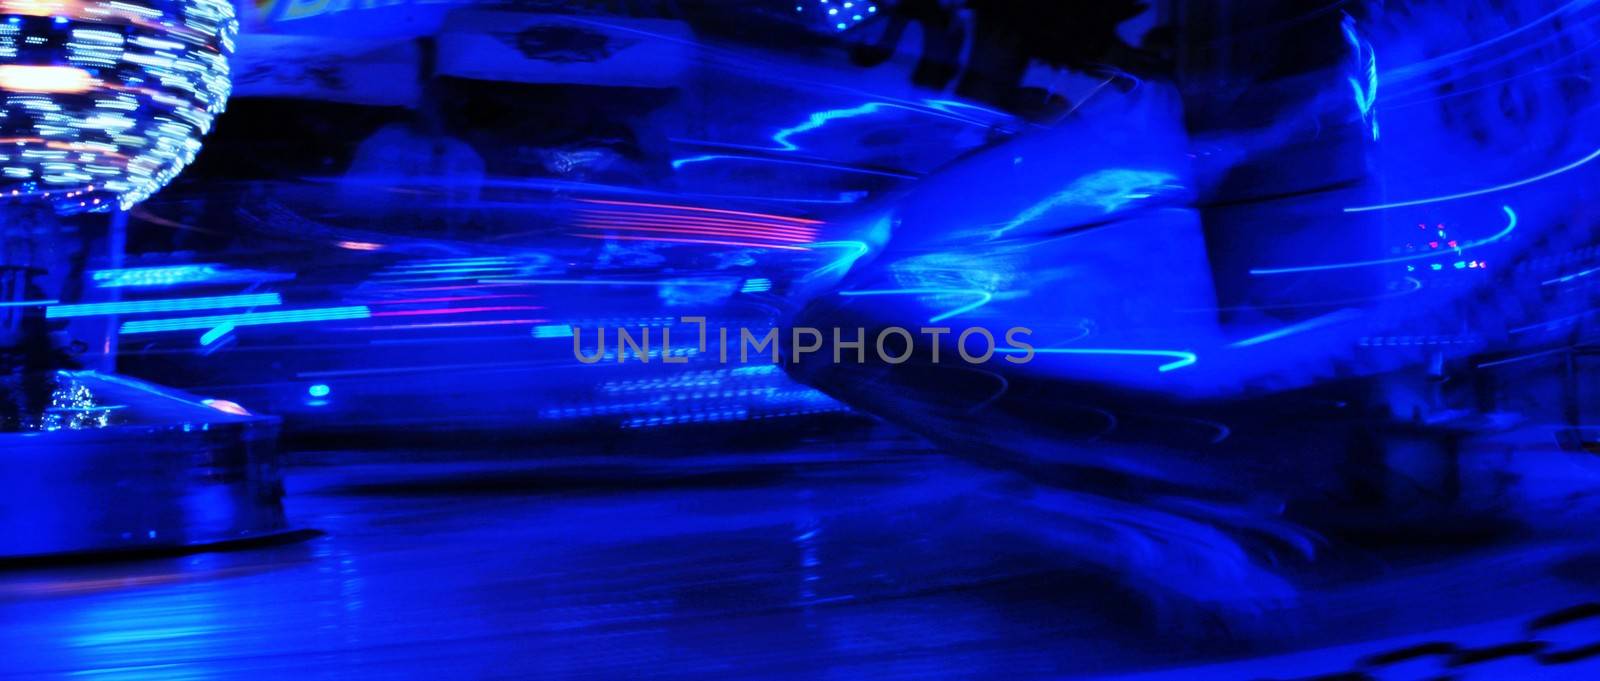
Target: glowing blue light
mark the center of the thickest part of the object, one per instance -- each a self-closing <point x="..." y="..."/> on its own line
<point x="172" y="305"/>
<point x="756" y="286"/>
<point x="319" y="390"/>
<point x="247" y="319"/>
<point x="180" y="275"/>
<point x="553" y="331"/>
<point x="213" y="335"/>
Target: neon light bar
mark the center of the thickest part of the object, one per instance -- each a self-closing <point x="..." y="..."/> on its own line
<point x="247" y="319"/>
<point x="173" y="305"/>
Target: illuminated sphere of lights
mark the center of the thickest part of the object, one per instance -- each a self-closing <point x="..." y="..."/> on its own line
<point x="105" y="101"/>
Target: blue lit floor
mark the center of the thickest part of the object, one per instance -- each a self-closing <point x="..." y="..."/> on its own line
<point x="829" y="561"/>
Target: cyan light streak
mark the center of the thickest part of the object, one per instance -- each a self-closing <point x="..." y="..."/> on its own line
<point x="215" y="334"/>
<point x="844" y="262"/>
<point x="1511" y="225"/>
<point x="1184" y="358"/>
<point x="30" y="303"/>
<point x="1309" y="324"/>
<point x="247" y="319"/>
<point x="1480" y="192"/>
<point x="983" y="298"/>
<point x="553" y="331"/>
<point x="782" y="138"/>
<point x="821" y="118"/>
<point x="172" y="305"/>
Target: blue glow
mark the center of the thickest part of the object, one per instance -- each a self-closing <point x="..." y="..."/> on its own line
<point x="319" y="390"/>
<point x="174" y="305"/>
<point x="759" y="285"/>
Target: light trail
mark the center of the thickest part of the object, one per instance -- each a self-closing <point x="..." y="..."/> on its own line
<point x="1511" y="224"/>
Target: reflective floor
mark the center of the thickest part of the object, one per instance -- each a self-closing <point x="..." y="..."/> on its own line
<point x="829" y="560"/>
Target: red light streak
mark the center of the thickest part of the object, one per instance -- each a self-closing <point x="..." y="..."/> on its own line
<point x="696" y="220"/>
<point x="668" y="206"/>
<point x="708" y="242"/>
<point x="702" y="231"/>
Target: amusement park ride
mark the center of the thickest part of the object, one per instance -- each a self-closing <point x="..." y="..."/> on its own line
<point x="1234" y="291"/>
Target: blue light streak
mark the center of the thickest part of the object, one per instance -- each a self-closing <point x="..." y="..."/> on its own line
<point x="759" y="285"/>
<point x="1480" y="192"/>
<point x="172" y="305"/>
<point x="247" y="319"/>
<point x="846" y="261"/>
<point x="1511" y="224"/>
<point x="155" y="276"/>
<point x="1314" y="323"/>
<point x="213" y="335"/>
<point x="1572" y="277"/>
<point x="30" y="303"/>
<point x="552" y="331"/>
<point x="1184" y="358"/>
<point x="821" y="118"/>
